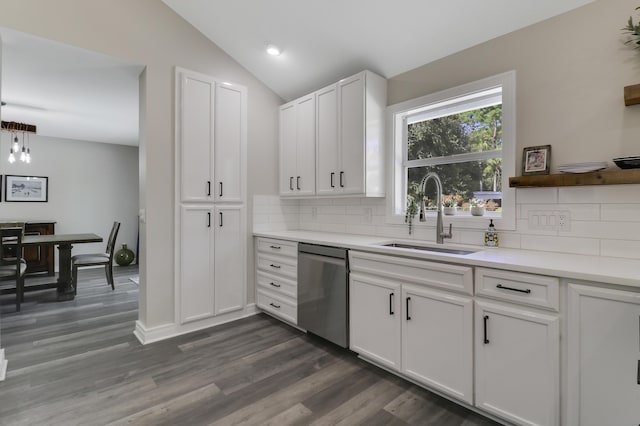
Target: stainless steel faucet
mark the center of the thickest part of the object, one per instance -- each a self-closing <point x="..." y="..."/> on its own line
<point x="440" y="234"/>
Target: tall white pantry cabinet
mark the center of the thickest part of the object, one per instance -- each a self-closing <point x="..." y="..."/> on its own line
<point x="210" y="197"/>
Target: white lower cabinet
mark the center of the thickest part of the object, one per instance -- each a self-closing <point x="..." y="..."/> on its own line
<point x="212" y="261"/>
<point x="277" y="278"/>
<point x="437" y="340"/>
<point x="603" y="356"/>
<point x="517" y="363"/>
<point x="423" y="332"/>
<point x="229" y="263"/>
<point x="374" y="319"/>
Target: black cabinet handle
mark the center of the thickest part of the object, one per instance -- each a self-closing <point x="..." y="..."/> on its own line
<point x="407" y="303"/>
<point x="274" y="305"/>
<point x="208" y="188"/>
<point x="275" y="285"/>
<point x="486" y="337"/>
<point x="391" y="304"/>
<point x="332" y="175"/>
<point x="275" y="266"/>
<point x="208" y="219"/>
<point x="291" y="183"/>
<point x="220" y="219"/>
<point x="221" y="189"/>
<point x="276" y="247"/>
<point x="639" y="371"/>
<point x="298" y="183"/>
<point x="341" y="178"/>
<point x="514" y="289"/>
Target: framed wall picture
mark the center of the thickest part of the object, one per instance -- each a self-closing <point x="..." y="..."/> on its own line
<point x="26" y="188"/>
<point x="536" y="160"/>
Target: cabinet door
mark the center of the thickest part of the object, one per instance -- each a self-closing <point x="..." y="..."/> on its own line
<point x="230" y="267"/>
<point x="374" y="319"/>
<point x="352" y="134"/>
<point x="196" y="254"/>
<point x="288" y="147"/>
<point x="437" y="340"/>
<point x="327" y="176"/>
<point x="229" y="142"/>
<point x="305" y="178"/>
<point x="517" y="364"/>
<point x="603" y="356"/>
<point x="196" y="137"/>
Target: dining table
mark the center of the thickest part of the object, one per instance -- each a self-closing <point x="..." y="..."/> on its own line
<point x="65" y="243"/>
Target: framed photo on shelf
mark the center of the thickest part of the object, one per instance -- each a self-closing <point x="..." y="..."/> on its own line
<point x="26" y="188"/>
<point x="536" y="160"/>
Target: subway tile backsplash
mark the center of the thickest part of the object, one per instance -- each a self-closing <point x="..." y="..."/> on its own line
<point x="605" y="220"/>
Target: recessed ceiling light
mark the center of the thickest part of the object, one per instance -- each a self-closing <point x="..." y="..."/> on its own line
<point x="273" y="50"/>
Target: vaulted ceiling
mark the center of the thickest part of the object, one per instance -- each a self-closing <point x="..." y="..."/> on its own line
<point x="325" y="40"/>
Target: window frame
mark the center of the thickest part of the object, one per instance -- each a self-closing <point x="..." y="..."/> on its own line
<point x="397" y="128"/>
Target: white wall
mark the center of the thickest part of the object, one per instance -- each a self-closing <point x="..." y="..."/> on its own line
<point x="149" y="33"/>
<point x="91" y="185"/>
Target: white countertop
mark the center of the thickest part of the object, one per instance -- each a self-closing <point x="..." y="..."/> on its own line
<point x="609" y="270"/>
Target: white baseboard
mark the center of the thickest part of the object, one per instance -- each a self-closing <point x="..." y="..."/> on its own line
<point x="166" y="331"/>
<point x="3" y="365"/>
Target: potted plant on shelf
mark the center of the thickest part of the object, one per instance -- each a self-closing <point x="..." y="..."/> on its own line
<point x="477" y="207"/>
<point x="632" y="29"/>
<point x="449" y="205"/>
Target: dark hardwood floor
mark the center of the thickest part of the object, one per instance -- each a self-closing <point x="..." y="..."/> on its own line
<point x="78" y="363"/>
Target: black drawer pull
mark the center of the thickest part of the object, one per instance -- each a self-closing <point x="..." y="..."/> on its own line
<point x="275" y="247"/>
<point x="486" y="337"/>
<point x="514" y="289"/>
<point x="275" y="285"/>
<point x="208" y="219"/>
<point x="274" y="305"/>
<point x="208" y="188"/>
<point x="221" y="189"/>
<point x="298" y="183"/>
<point x="332" y="175"/>
<point x="220" y="219"/>
<point x="639" y="371"/>
<point x="407" y="302"/>
<point x="291" y="183"/>
<point x="341" y="177"/>
<point x="275" y="266"/>
<point x="391" y="304"/>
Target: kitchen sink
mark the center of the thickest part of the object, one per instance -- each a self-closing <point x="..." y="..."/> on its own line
<point x="435" y="249"/>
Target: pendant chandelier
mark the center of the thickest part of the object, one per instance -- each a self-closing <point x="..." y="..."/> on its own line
<point x="16" y="129"/>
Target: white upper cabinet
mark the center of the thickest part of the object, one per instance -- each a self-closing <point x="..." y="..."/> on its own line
<point x="331" y="141"/>
<point x="350" y="128"/>
<point x="211" y="139"/>
<point x="297" y="147"/>
<point x="195" y="133"/>
<point x="229" y="142"/>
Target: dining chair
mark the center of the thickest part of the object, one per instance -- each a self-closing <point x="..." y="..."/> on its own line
<point x="12" y="265"/>
<point x="96" y="259"/>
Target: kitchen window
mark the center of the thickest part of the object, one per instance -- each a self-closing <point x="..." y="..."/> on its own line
<point x="465" y="134"/>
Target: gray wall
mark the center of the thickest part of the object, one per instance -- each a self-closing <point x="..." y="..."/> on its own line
<point x="90" y="185"/>
<point x="571" y="71"/>
<point x="147" y="32"/>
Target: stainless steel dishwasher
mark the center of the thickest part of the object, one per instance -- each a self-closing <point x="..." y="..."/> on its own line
<point x="323" y="292"/>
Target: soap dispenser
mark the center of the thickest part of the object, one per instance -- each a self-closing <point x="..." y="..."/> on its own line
<point x="491" y="236"/>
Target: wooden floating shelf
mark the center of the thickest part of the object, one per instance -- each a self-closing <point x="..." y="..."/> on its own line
<point x="604" y="177"/>
<point x="632" y="95"/>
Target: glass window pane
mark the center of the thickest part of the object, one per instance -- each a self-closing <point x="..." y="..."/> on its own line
<point x="470" y="131"/>
<point x="461" y="181"/>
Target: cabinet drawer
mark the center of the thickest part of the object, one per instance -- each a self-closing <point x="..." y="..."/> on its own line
<point x="277" y="285"/>
<point x="280" y="247"/>
<point x="527" y="289"/>
<point x="278" y="265"/>
<point x="405" y="270"/>
<point x="278" y="306"/>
